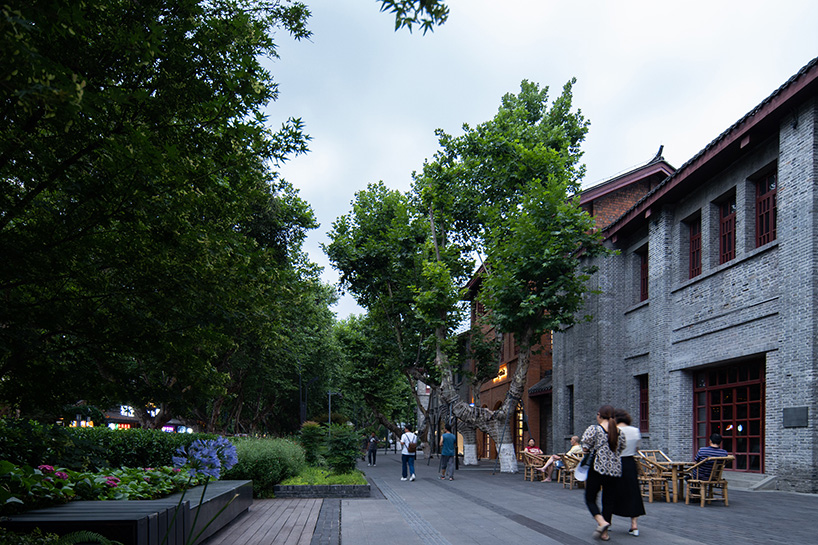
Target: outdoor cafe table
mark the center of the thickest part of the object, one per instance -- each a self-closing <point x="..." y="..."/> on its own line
<point x="676" y="472"/>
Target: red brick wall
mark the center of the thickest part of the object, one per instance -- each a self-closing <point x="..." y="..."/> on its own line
<point x="610" y="207"/>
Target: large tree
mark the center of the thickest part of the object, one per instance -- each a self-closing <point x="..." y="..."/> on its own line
<point x="504" y="189"/>
<point x="141" y="225"/>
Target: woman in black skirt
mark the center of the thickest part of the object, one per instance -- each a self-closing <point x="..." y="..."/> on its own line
<point x="629" y="496"/>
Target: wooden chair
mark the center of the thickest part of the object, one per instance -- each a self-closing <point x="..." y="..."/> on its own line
<point x="654" y="456"/>
<point x="712" y="488"/>
<point x="566" y="473"/>
<point x="652" y="480"/>
<point x="530" y="462"/>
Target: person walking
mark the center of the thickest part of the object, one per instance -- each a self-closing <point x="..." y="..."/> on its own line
<point x="605" y="444"/>
<point x="629" y="496"/>
<point x="372" y="450"/>
<point x="409" y="445"/>
<point x="447" y="453"/>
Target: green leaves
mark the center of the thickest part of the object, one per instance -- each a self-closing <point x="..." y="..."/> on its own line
<point x="426" y="13"/>
<point x="146" y="239"/>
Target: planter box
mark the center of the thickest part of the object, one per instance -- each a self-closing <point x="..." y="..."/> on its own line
<point x="142" y="522"/>
<point x="322" y="491"/>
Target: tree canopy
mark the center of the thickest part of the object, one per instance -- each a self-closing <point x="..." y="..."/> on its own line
<point x="149" y="248"/>
<point x="502" y="191"/>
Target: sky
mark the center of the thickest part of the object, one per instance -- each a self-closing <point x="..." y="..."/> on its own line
<point x="675" y="74"/>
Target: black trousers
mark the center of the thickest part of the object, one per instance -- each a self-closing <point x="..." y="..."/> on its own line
<point x="593" y="485"/>
<point x="372" y="454"/>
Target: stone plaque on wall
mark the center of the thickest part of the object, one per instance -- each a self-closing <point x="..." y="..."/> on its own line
<point x="796" y="417"/>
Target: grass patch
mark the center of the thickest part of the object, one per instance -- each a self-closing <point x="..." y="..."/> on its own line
<point x="318" y="476"/>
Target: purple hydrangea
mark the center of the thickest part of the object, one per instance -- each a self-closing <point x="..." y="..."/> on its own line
<point x="207" y="457"/>
<point x="61" y="475"/>
<point x="46" y="469"/>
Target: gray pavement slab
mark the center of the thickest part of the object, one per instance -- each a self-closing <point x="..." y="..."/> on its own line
<point x="482" y="507"/>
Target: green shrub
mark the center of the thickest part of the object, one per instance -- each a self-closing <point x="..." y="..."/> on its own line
<point x="313" y="438"/>
<point x="266" y="462"/>
<point x="137" y="447"/>
<point x="344" y="448"/>
<point x="26" y="442"/>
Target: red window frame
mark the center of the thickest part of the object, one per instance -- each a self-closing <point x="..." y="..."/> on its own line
<point x="766" y="209"/>
<point x="730" y="401"/>
<point x="727" y="230"/>
<point x="644" y="406"/>
<point x="643" y="276"/>
<point x="695" y="227"/>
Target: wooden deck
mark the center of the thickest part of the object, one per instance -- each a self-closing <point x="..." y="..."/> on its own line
<point x="279" y="521"/>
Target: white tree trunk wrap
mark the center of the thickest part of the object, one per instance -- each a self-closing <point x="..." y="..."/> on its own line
<point x="470" y="455"/>
<point x="508" y="461"/>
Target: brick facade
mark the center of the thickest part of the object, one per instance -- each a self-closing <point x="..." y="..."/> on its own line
<point x="756" y="310"/>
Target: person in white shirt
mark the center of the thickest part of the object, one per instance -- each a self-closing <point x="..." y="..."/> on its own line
<point x="407" y="459"/>
<point x="629" y="496"/>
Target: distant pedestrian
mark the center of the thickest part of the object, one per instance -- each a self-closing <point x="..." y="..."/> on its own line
<point x="629" y="495"/>
<point x="372" y="451"/>
<point x="409" y="446"/>
<point x="605" y="444"/>
<point x="447" y="453"/>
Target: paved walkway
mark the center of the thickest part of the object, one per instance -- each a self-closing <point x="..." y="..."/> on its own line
<point x="481" y="508"/>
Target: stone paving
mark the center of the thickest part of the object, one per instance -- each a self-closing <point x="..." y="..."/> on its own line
<point x="482" y="507"/>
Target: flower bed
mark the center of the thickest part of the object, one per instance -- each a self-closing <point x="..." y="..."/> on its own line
<point x="143" y="522"/>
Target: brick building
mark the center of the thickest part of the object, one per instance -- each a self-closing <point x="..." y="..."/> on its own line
<point x="533" y="418"/>
<point x="706" y="321"/>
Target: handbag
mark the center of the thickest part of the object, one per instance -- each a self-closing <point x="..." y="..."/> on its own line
<point x="581" y="471"/>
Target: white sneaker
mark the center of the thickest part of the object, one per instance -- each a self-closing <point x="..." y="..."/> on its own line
<point x="374" y="465"/>
<point x="368" y="465"/>
<point x="412" y="478"/>
<point x="403" y="478"/>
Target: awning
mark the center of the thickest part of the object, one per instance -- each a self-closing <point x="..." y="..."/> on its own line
<point x="543" y="387"/>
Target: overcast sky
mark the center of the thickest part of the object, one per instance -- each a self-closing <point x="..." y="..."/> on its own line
<point x="648" y="74"/>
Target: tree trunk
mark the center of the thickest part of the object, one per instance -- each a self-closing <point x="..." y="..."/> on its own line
<point x="469" y="443"/>
<point x="496" y="423"/>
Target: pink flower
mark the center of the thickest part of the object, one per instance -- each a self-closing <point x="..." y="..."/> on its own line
<point x="113" y="482"/>
<point x="61" y="475"/>
<point x="46" y="469"/>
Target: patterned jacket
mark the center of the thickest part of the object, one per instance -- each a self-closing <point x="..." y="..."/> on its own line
<point x="606" y="462"/>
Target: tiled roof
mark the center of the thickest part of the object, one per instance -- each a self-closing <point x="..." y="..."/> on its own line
<point x="688" y="166"/>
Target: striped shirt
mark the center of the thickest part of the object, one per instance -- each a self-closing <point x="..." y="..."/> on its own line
<point x="707" y="452"/>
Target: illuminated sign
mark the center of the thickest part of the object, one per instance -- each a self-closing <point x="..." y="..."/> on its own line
<point x="501" y="374"/>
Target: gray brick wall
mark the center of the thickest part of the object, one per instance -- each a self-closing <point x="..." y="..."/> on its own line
<point x="759" y="306"/>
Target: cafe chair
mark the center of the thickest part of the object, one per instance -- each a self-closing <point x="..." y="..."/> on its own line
<point x="652" y="479"/>
<point x="711" y="488"/>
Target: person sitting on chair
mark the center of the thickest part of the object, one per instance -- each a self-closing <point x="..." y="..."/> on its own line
<point x="714" y="449"/>
<point x="532" y="448"/>
<point x="575" y="450"/>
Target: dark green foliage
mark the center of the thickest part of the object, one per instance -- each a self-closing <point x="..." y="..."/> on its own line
<point x="84" y="537"/>
<point x="137" y="447"/>
<point x="313" y="438"/>
<point x="26" y="442"/>
<point x="343" y="448"/>
<point x="37" y="537"/>
<point x="266" y="462"/>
